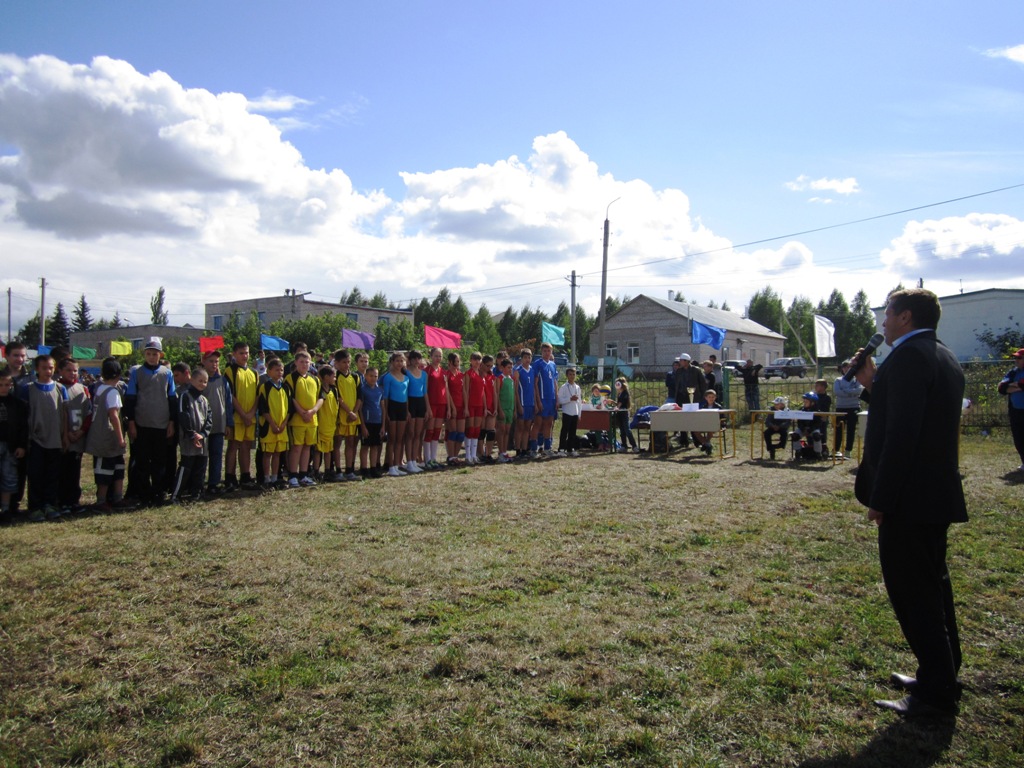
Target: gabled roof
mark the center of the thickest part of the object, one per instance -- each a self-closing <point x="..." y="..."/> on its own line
<point x="719" y="318"/>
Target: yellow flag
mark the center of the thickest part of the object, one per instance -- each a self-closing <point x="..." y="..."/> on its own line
<point x="120" y="347"/>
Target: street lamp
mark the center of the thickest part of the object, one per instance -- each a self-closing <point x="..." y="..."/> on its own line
<point x="604" y="297"/>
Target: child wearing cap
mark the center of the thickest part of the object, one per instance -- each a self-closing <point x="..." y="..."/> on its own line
<point x="806" y="435"/>
<point x="150" y="407"/>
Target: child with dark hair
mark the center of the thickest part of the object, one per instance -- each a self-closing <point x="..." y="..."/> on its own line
<point x="13" y="440"/>
<point x="106" y="440"/>
<point x="79" y="417"/>
<point x="195" y="423"/>
<point x="47" y="437"/>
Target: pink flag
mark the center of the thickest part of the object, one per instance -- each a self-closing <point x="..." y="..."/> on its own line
<point x="439" y="337"/>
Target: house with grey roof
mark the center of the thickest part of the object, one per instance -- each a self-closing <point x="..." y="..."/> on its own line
<point x="649" y="333"/>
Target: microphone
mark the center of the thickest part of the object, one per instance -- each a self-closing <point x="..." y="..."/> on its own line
<point x="870" y="347"/>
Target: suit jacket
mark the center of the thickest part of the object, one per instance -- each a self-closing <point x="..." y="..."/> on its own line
<point x="910" y="466"/>
<point x="686" y="378"/>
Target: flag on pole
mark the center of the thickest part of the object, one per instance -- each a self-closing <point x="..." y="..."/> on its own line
<point x="43" y="349"/>
<point x="83" y="353"/>
<point x="357" y="339"/>
<point x="552" y="334"/>
<point x="120" y="348"/>
<point x="210" y="344"/>
<point x="439" y="337"/>
<point x="273" y="343"/>
<point x="707" y="334"/>
<point x="824" y="336"/>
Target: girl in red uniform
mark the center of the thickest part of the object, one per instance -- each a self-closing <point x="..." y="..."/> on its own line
<point x="455" y="428"/>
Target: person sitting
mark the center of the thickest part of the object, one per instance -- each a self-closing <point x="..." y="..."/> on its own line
<point x="776" y="429"/>
<point x="806" y="435"/>
<point x="704" y="440"/>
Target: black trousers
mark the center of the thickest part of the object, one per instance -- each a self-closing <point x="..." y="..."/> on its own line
<point x="913" y="559"/>
<point x="147" y="471"/>
<point x="567" y="437"/>
<point x="849" y="422"/>
<point x="190" y="476"/>
<point x="1017" y="429"/>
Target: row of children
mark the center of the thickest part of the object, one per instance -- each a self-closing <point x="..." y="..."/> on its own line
<point x="304" y="424"/>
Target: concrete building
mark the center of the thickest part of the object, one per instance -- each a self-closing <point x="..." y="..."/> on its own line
<point x="294" y="306"/>
<point x="649" y="333"/>
<point x="965" y="315"/>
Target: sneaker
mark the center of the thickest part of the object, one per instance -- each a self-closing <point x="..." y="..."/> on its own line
<point x="413" y="468"/>
<point x="293" y="482"/>
<point x="574" y="454"/>
<point x="51" y="512"/>
<point x="708" y="449"/>
<point x="37" y="516"/>
<point x="395" y="472"/>
<point x="352" y="476"/>
<point x="307" y="482"/>
<point x="338" y="477"/>
<point x="503" y="459"/>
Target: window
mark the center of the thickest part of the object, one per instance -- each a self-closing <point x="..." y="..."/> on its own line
<point x="137" y="344"/>
<point x="611" y="349"/>
<point x="385" y="320"/>
<point x="633" y="353"/>
<point x="262" y="318"/>
<point x="218" y="322"/>
<point x="353" y="316"/>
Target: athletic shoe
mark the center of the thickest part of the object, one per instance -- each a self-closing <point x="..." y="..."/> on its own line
<point x="51" y="512"/>
<point x="503" y="459"/>
<point x="352" y="476"/>
<point x="307" y="481"/>
<point x="293" y="482"/>
<point x="413" y="468"/>
<point x="395" y="472"/>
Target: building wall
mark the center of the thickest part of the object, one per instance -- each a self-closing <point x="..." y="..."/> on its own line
<point x="662" y="335"/>
<point x="138" y="335"/>
<point x="286" y="307"/>
<point x="965" y="315"/>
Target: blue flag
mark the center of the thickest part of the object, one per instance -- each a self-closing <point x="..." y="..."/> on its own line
<point x="552" y="334"/>
<point x="707" y="334"/>
<point x="273" y="343"/>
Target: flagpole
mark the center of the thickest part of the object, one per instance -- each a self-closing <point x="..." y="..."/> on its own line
<point x="604" y="297"/>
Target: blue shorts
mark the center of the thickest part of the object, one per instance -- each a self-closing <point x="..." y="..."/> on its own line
<point x="527" y="413"/>
<point x="548" y="408"/>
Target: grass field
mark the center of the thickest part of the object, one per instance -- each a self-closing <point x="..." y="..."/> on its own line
<point x="608" y="610"/>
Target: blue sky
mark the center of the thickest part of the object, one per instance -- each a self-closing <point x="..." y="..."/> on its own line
<point x="407" y="146"/>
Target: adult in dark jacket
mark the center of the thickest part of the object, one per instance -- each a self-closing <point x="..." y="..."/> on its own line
<point x="910" y="481"/>
<point x="688" y="377"/>
<point x="1012" y="386"/>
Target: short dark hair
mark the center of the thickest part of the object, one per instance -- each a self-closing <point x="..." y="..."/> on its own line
<point x="239" y="345"/>
<point x="111" y="368"/>
<point x="922" y="304"/>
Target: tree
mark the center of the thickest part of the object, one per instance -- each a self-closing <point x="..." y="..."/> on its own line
<point x="712" y="304"/>
<point x="679" y="297"/>
<point x="482" y="332"/>
<point x="29" y="332"/>
<point x="837" y="310"/>
<point x="766" y="308"/>
<point x="423" y="314"/>
<point x="862" y="321"/>
<point x="508" y="327"/>
<point x="58" y="329"/>
<point x="81" y="319"/>
<point x="393" y="336"/>
<point x="354" y="298"/>
<point x="318" y="332"/>
<point x="801" y="320"/>
<point x="248" y="330"/>
<point x="725" y="306"/>
<point x="379" y="301"/>
<point x="156" y="307"/>
<point x="1002" y="343"/>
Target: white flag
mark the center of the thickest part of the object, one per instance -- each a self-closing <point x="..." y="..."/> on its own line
<point x="824" y="336"/>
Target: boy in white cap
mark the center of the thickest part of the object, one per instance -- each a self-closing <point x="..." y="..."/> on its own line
<point x="151" y="408"/>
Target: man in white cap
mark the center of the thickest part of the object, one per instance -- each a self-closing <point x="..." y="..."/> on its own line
<point x="690" y="386"/>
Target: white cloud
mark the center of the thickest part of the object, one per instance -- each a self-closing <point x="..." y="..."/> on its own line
<point x="847" y="186"/>
<point x="1013" y="53"/>
<point x="981" y="248"/>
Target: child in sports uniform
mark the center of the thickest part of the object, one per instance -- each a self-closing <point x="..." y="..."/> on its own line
<point x="414" y="430"/>
<point x="395" y="385"/>
<point x="304" y="392"/>
<point x="437" y="405"/>
<point x="490" y="409"/>
<point x="350" y="391"/>
<point x="327" y="426"/>
<point x="372" y="417"/>
<point x="545" y="376"/>
<point x="222" y="409"/>
<point x="473" y="396"/>
<point x="151" y="408"/>
<point x="194" y="425"/>
<point x="242" y="432"/>
<point x="455" y="428"/>
<point x="106" y="439"/>
<point x="274" y="408"/>
<point x="79" y="410"/>
<point x="505" y="387"/>
<point x="525" y="394"/>
<point x="46" y="402"/>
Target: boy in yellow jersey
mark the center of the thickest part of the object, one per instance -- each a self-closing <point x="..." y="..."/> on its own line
<point x="304" y="391"/>
<point x="242" y="432"/>
<point x="274" y="406"/>
<point x="327" y="441"/>
<point x="350" y="391"/>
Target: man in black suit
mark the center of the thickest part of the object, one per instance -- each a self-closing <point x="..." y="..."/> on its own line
<point x="909" y="480"/>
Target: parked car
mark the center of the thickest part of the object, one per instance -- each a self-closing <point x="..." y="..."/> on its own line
<point x="732" y="365"/>
<point x="785" y="367"/>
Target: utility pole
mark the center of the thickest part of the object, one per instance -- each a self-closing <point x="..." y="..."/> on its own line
<point x="8" y="316"/>
<point x="572" y="309"/>
<point x="42" y="311"/>
<point x="604" y="296"/>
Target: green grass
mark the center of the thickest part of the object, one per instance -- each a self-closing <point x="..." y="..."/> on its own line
<point x="613" y="610"/>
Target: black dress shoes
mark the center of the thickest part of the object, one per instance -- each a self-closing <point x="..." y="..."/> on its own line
<point x="903" y="682"/>
<point x="912" y="707"/>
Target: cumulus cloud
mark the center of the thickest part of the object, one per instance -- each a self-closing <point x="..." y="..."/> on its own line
<point x="1013" y="53"/>
<point x="982" y="247"/>
<point x="847" y="186"/>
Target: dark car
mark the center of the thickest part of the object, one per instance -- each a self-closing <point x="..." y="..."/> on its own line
<point x="785" y="367"/>
<point x="733" y="365"/>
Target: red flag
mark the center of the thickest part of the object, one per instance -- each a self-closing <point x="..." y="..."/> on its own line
<point x="210" y="343"/>
<point x="439" y="337"/>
